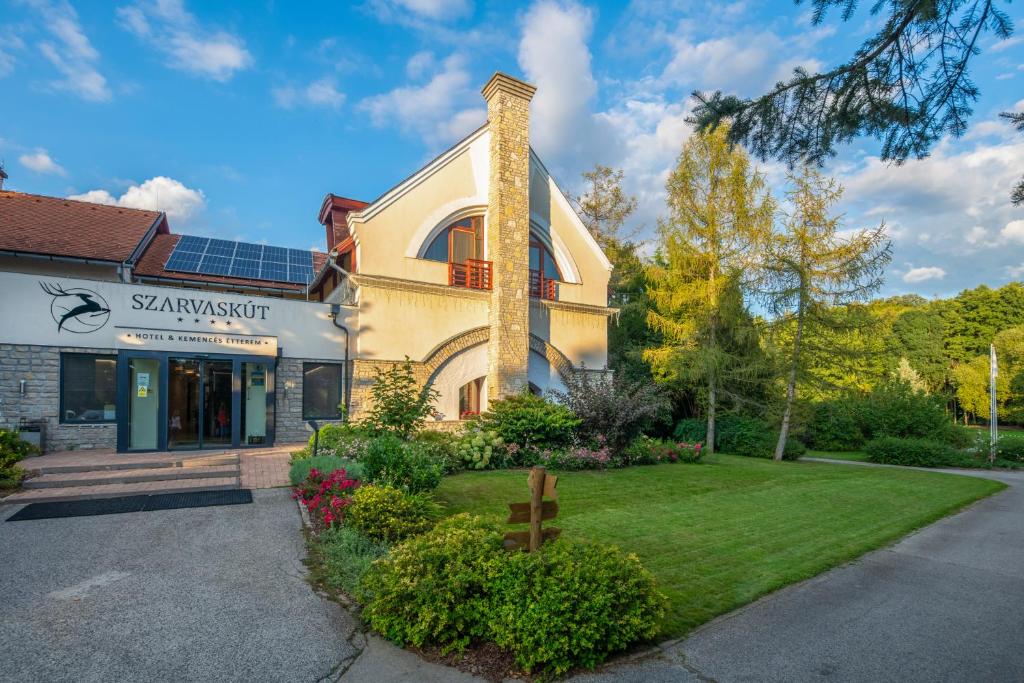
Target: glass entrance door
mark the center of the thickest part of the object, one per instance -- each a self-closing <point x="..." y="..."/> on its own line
<point x="183" y="387"/>
<point x="199" y="402"/>
<point x="216" y="403"/>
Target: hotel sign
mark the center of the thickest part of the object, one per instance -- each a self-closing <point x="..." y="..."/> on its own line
<point x="144" y="339"/>
<point x="53" y="310"/>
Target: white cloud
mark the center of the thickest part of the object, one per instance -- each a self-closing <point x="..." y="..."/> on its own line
<point x="189" y="46"/>
<point x="156" y="194"/>
<point x="441" y="110"/>
<point x="1013" y="231"/>
<point x="70" y="52"/>
<point x="419" y="64"/>
<point x="554" y="55"/>
<point x="10" y="42"/>
<point x="977" y="235"/>
<point x="1007" y="44"/>
<point x="40" y="162"/>
<point x="922" y="274"/>
<point x="320" y="93"/>
<point x="436" y="10"/>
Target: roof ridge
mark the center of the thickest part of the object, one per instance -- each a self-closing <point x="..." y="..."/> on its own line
<point x="155" y="212"/>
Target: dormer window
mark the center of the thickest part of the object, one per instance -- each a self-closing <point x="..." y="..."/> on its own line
<point x="461" y="246"/>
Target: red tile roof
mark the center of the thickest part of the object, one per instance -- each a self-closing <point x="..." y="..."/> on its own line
<point x="35" y="224"/>
<point x="152" y="265"/>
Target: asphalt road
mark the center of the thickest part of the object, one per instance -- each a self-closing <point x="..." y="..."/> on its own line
<point x="944" y="604"/>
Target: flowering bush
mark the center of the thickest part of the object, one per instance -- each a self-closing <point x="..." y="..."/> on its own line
<point x="648" y="451"/>
<point x="480" y="450"/>
<point x="326" y="496"/>
<point x="581" y="458"/>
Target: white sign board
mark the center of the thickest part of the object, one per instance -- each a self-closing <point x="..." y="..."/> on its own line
<point x="58" y="311"/>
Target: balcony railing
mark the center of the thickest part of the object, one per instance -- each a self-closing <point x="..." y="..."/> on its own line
<point x="542" y="287"/>
<point x="472" y="273"/>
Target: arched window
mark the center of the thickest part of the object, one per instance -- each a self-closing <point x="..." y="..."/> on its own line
<point x="544" y="273"/>
<point x="469" y="398"/>
<point x="462" y="240"/>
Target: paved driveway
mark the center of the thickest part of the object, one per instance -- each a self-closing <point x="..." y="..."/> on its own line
<point x="204" y="594"/>
<point x="943" y="604"/>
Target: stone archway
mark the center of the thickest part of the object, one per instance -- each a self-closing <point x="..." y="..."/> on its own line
<point x="555" y="358"/>
<point x="452" y="346"/>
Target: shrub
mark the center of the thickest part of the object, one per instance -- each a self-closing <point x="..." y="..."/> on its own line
<point x="385" y="514"/>
<point x="580" y="458"/>
<point x="1009" y="447"/>
<point x="752" y="437"/>
<point x="325" y="495"/>
<point x="529" y="421"/>
<point x="406" y="465"/>
<point x="399" y="405"/>
<point x="300" y="469"/>
<point x="443" y="447"/>
<point x="345" y="556"/>
<point x="613" y="409"/>
<point x="691" y="430"/>
<point x="434" y="588"/>
<point x="835" y="426"/>
<point x="573" y="604"/>
<point x="12" y="451"/>
<point x="647" y="451"/>
<point x="893" y="450"/>
<point x="479" y="449"/>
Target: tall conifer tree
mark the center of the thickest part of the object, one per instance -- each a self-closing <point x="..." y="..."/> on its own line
<point x="720" y="212"/>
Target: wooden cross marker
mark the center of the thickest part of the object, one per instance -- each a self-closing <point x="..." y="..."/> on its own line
<point x="542" y="485"/>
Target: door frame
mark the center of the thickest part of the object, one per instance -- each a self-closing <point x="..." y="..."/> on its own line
<point x="163" y="358"/>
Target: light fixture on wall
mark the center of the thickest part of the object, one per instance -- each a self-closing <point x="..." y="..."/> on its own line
<point x="22" y="386"/>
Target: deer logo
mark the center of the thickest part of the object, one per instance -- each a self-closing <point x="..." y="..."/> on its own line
<point x="77" y="310"/>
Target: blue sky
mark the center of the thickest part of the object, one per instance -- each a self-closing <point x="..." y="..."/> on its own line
<point x="237" y="118"/>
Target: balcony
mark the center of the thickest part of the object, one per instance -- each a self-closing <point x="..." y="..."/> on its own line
<point x="471" y="273"/>
<point x="542" y="287"/>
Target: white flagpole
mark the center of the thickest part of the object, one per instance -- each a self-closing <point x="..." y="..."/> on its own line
<point x="993" y="427"/>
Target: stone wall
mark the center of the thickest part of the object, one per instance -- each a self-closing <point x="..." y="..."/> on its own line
<point x="289" y="425"/>
<point x="39" y="366"/>
<point x="508" y="232"/>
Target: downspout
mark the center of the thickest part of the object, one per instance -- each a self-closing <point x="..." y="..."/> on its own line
<point x="335" y="310"/>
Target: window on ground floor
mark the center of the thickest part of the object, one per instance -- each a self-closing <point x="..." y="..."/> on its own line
<point x="322" y="392"/>
<point x="88" y="388"/>
<point x="469" y="398"/>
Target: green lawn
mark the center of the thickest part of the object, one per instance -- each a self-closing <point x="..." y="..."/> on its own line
<point x="720" y="534"/>
<point x="859" y="456"/>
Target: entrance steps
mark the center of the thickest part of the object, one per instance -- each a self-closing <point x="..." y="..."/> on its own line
<point x="126" y="475"/>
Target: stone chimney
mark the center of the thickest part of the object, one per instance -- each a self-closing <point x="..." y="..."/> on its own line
<point x="3" y="176"/>
<point x="508" y="233"/>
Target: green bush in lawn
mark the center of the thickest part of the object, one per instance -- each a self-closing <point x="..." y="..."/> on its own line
<point x="479" y="449"/>
<point x="407" y="465"/>
<point x="299" y="470"/>
<point x="345" y="556"/>
<point x="529" y="422"/>
<point x="835" y="426"/>
<point x="647" y="451"/>
<point x="434" y="588"/>
<point x="573" y="604"/>
<point x="1010" y="447"/>
<point x="740" y="435"/>
<point x="387" y="515"/>
<point x="893" y="450"/>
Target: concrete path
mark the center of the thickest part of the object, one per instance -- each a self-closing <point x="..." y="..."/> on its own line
<point x="203" y="594"/>
<point x="943" y="604"/>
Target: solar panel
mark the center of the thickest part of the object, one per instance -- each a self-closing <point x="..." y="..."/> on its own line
<point x="240" y="259"/>
<point x="192" y="243"/>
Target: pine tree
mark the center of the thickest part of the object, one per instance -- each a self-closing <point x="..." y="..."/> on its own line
<point x="604" y="207"/>
<point x="810" y="268"/>
<point x="720" y="213"/>
<point x="907" y="85"/>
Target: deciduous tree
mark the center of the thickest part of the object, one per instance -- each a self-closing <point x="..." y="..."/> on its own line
<point x="810" y="268"/>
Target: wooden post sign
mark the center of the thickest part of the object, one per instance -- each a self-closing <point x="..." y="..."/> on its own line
<point x="542" y="485"/>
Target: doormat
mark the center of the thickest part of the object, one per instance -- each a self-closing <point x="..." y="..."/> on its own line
<point x="114" y="506"/>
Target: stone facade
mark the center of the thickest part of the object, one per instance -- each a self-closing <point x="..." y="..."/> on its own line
<point x="508" y="233"/>
<point x="39" y="366"/>
<point x="290" y="427"/>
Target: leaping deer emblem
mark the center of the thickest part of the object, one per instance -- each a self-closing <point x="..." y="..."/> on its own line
<point x="89" y="306"/>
